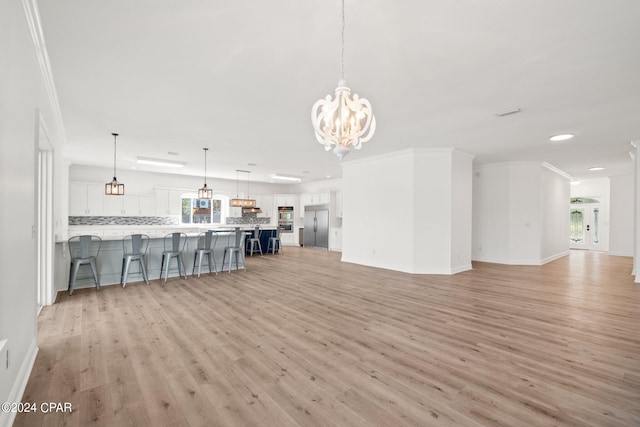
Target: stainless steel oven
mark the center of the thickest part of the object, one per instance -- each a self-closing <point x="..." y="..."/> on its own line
<point x="285" y="219"/>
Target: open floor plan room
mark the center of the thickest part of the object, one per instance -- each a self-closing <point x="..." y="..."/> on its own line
<point x="305" y="340"/>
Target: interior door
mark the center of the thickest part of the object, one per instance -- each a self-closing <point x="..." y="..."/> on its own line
<point x="584" y="223"/>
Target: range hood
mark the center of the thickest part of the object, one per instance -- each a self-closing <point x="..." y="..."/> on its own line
<point x="251" y="210"/>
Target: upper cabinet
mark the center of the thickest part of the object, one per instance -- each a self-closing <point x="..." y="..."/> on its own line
<point x="86" y="199"/>
<point x="339" y="204"/>
<point x="168" y="201"/>
<point x="307" y="199"/>
<point x="285" y="200"/>
<point x="129" y="205"/>
<point x="266" y="204"/>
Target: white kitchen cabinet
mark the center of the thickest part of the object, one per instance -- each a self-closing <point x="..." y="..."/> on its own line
<point x="307" y="199"/>
<point x="129" y="205"/>
<point x="339" y="204"/>
<point x="285" y="200"/>
<point x="86" y="199"/>
<point x="168" y="202"/>
<point x="335" y="239"/>
<point x="266" y="204"/>
<point x="146" y="206"/>
<point x="287" y="239"/>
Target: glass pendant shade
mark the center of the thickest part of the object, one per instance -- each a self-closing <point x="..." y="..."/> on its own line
<point x="114" y="188"/>
<point x="343" y="122"/>
<point x="205" y="192"/>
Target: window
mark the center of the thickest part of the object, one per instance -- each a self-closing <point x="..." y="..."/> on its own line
<point x="201" y="211"/>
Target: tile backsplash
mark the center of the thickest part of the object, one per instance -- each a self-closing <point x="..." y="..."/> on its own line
<point x="124" y="220"/>
<point x="247" y="218"/>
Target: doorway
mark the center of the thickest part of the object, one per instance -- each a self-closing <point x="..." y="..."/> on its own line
<point x="585" y="224"/>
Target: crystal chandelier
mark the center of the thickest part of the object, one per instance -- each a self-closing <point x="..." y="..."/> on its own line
<point x="204" y="192"/>
<point x="114" y="188"/>
<point x="345" y="121"/>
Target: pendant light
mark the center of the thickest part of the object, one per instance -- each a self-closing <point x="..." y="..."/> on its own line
<point x="238" y="202"/>
<point x="345" y="121"/>
<point x="114" y="188"/>
<point x="204" y="192"/>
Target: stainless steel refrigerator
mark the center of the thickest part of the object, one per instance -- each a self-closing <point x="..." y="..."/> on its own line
<point x="316" y="226"/>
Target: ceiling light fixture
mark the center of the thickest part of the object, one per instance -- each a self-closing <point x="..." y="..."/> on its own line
<point x="204" y="192"/>
<point x="575" y="182"/>
<point x="159" y="162"/>
<point x="343" y="121"/>
<point x="596" y="168"/>
<point x="242" y="203"/>
<point x="114" y="188"/>
<point x="286" y="178"/>
<point x="562" y="137"/>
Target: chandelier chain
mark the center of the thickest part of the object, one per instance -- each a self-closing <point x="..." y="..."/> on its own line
<point x="342" y="52"/>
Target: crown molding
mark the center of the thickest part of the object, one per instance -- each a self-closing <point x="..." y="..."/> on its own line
<point x="32" y="16"/>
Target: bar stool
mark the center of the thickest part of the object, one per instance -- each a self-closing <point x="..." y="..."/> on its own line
<point x="174" y="245"/>
<point x="235" y="247"/>
<point x="84" y="250"/>
<point x="134" y="248"/>
<point x="204" y="246"/>
<point x="275" y="243"/>
<point x="251" y="242"/>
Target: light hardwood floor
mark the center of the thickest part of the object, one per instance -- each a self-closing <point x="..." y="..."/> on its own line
<point x="303" y="339"/>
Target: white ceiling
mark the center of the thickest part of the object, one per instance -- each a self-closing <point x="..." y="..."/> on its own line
<point x="240" y="77"/>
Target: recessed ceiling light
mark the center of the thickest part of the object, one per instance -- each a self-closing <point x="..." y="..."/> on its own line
<point x="252" y="164"/>
<point x="172" y="153"/>
<point x="286" y="177"/>
<point x="575" y="182"/>
<point x="159" y="162"/>
<point x="328" y="176"/>
<point x="596" y="168"/>
<point x="562" y="137"/>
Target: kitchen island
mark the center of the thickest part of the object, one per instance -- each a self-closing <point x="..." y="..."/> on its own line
<point x="110" y="259"/>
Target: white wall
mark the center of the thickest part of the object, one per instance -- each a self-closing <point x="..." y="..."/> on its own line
<point x="520" y="213"/>
<point x="23" y="98"/>
<point x="621" y="215"/>
<point x="404" y="219"/>
<point x="378" y="212"/>
<point x="555" y="215"/>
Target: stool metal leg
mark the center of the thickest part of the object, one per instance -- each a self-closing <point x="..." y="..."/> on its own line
<point x="94" y="269"/>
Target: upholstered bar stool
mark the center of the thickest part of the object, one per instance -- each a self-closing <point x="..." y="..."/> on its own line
<point x="174" y="245"/>
<point x="255" y="240"/>
<point x="84" y="250"/>
<point x="134" y="248"/>
<point x="235" y="247"/>
<point x="204" y="247"/>
<point x="274" y="243"/>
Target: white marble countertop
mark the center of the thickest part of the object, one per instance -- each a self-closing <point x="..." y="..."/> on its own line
<point x="117" y="232"/>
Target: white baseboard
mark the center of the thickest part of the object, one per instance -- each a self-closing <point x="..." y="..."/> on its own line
<point x="621" y="254"/>
<point x="461" y="268"/>
<point x="17" y="391"/>
<point x="554" y="257"/>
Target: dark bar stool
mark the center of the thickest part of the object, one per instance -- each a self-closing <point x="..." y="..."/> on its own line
<point x="252" y="241"/>
<point x="84" y="250"/>
<point x="274" y="243"/>
<point x="134" y="248"/>
<point x="174" y="245"/>
<point x="204" y="247"/>
<point x="235" y="247"/>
